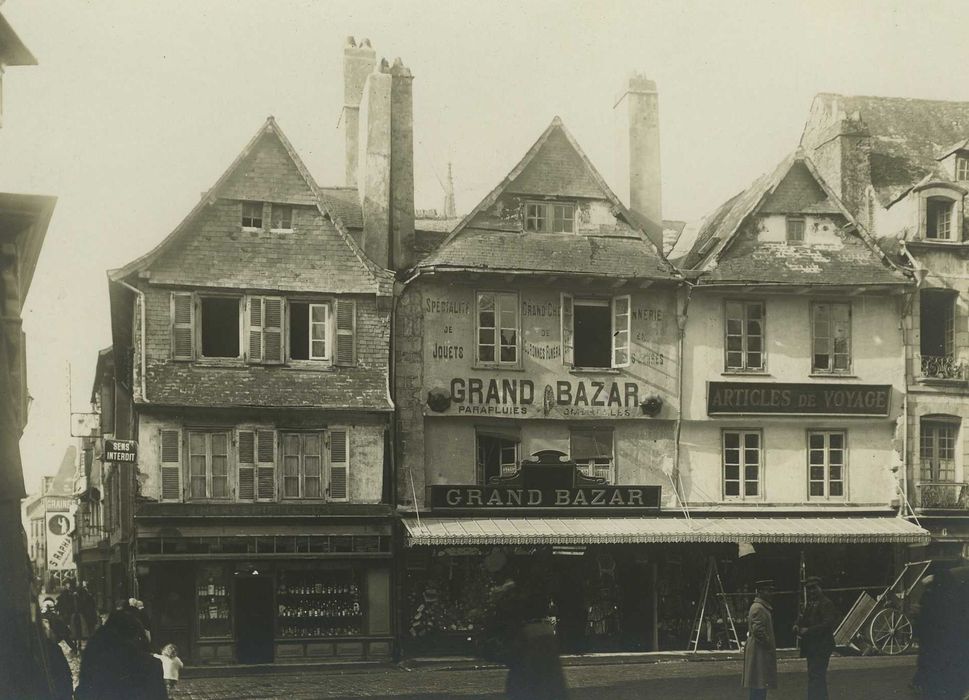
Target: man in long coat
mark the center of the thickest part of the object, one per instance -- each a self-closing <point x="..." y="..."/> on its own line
<point x="760" y="652"/>
<point x="815" y="627"/>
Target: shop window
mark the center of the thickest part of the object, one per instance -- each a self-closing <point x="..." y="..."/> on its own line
<point x="742" y="455"/>
<point x="282" y="217"/>
<point x="795" y="229"/>
<point x="937" y="450"/>
<point x="497" y="455"/>
<point x="309" y="331"/>
<point x="939" y="218"/>
<point x="826" y="464"/>
<point x="937" y="333"/>
<point x="302" y="465"/>
<point x="312" y="604"/>
<point x="831" y="338"/>
<point x="208" y="464"/>
<point x="212" y="602"/>
<point x="744" y="335"/>
<point x="592" y="449"/>
<point x="595" y="331"/>
<point x="497" y="336"/>
<point x="550" y="217"/>
<point x="252" y="215"/>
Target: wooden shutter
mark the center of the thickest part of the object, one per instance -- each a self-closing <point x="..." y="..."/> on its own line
<point x="339" y="488"/>
<point x="183" y="325"/>
<point x="272" y="330"/>
<point x="346" y="322"/>
<point x="171" y="465"/>
<point x="621" y="327"/>
<point x="266" y="465"/>
<point x="568" y="342"/>
<point x="247" y="465"/>
<point x="254" y="322"/>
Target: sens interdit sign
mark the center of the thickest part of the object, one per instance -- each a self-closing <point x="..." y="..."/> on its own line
<point x="120" y="451"/>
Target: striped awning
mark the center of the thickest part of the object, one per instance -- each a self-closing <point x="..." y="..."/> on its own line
<point x="488" y="531"/>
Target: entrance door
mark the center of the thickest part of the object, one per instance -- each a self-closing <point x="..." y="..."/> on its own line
<point x="254" y="619"/>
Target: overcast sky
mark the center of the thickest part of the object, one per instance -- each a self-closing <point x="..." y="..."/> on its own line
<point x="136" y="108"/>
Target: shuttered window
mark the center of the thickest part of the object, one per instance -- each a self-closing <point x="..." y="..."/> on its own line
<point x="208" y="464"/>
<point x="183" y="325"/>
<point x="257" y="465"/>
<point x="264" y="317"/>
<point x="247" y="465"/>
<point x="171" y="465"/>
<point x="346" y="325"/>
<point x="302" y="465"/>
<point x="339" y="489"/>
<point x="568" y="340"/>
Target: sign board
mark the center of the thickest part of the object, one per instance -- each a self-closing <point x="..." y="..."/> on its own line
<point x="85" y="424"/>
<point x="60" y="551"/>
<point x="547" y="482"/>
<point x="771" y="398"/>
<point x="120" y="451"/>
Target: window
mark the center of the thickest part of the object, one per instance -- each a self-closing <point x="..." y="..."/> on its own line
<point x="795" y="229"/>
<point x="592" y="450"/>
<point x="744" y="335"/>
<point x="826" y="464"/>
<point x="937" y="449"/>
<point x="938" y="218"/>
<point x="257" y="465"/>
<point x="542" y="217"/>
<point x="497" y="328"/>
<point x="282" y="217"/>
<point x="252" y="215"/>
<point x="171" y="465"/>
<point x="962" y="168"/>
<point x="309" y="331"/>
<point x="220" y="326"/>
<point x="302" y="465"/>
<point x="208" y="464"/>
<point x="742" y="455"/>
<point x="937" y="334"/>
<point x="595" y="331"/>
<point x="831" y="341"/>
<point x="497" y="456"/>
<point x="265" y="320"/>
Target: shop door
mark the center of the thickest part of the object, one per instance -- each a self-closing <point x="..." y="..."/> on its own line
<point x="254" y="619"/>
<point x="169" y="591"/>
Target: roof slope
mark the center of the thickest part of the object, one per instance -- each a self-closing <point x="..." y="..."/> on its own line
<point x="63" y="484"/>
<point x="555" y="165"/>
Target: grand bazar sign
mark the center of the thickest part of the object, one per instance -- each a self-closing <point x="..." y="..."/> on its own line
<point x="735" y="398"/>
<point x="547" y="481"/>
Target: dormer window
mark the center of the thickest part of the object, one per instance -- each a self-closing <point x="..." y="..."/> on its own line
<point x="282" y="217"/>
<point x="550" y="217"/>
<point x="962" y="168"/>
<point x="252" y="215"/>
<point x="938" y="219"/>
<point x="795" y="229"/>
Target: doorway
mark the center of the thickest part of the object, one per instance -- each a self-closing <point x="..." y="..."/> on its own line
<point x="254" y="619"/>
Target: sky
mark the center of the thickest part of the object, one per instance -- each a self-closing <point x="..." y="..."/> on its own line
<point x="137" y="107"/>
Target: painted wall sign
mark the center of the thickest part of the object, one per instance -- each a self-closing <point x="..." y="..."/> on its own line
<point x="60" y="550"/>
<point x="549" y="481"/>
<point x="733" y="398"/>
<point x="120" y="451"/>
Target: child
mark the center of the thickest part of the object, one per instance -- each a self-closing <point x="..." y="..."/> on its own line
<point x="171" y="665"/>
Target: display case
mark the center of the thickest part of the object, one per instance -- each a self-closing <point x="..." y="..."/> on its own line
<point x="319" y="604"/>
<point x="212" y="603"/>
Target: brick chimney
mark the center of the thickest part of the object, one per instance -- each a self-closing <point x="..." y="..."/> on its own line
<point x="358" y="63"/>
<point x="638" y="174"/>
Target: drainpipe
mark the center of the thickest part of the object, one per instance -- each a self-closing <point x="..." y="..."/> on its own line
<point x="681" y="319"/>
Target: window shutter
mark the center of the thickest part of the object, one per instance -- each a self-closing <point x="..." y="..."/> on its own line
<point x="621" y="315"/>
<point x="247" y="465"/>
<point x="272" y="329"/>
<point x="339" y="489"/>
<point x="254" y="317"/>
<point x="266" y="465"/>
<point x="567" y="333"/>
<point x="171" y="465"/>
<point x="345" y="328"/>
<point x="183" y="326"/>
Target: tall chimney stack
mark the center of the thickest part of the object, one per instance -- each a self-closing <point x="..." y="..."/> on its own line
<point x="373" y="169"/>
<point x="638" y="173"/>
<point x="358" y="63"/>
<point x="401" y="167"/>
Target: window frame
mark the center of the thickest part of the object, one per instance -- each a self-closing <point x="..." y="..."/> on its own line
<point x="273" y="208"/>
<point x="742" y="479"/>
<point x="510" y="436"/>
<point x="961" y="167"/>
<point x="252" y="219"/>
<point x="567" y="338"/>
<point x="826" y="464"/>
<point x="230" y="463"/>
<point x="935" y="472"/>
<point x="935" y="205"/>
<point x="831" y="369"/>
<point x="198" y="320"/>
<point x="329" y="303"/>
<point x="745" y="336"/>
<point x="588" y="468"/>
<point x="282" y="474"/>
<point x="545" y="216"/>
<point x="791" y="223"/>
<point x="497" y="362"/>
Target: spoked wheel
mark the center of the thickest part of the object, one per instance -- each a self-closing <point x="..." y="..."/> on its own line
<point x="891" y="631"/>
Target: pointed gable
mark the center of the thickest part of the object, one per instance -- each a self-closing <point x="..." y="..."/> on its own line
<point x="556" y="170"/>
<point x="268" y="174"/>
<point x="798" y="192"/>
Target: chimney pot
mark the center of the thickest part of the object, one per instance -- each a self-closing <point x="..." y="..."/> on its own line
<point x="351" y="43"/>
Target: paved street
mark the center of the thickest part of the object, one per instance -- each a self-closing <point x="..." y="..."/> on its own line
<point x="849" y="679"/>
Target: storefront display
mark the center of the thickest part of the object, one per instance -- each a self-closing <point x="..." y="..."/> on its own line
<point x="213" y="603"/>
<point x="313" y="604"/>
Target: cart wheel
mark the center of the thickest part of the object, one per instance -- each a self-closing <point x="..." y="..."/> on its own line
<point x="891" y="631"/>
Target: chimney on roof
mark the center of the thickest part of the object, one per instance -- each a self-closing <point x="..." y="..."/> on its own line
<point x="358" y="63"/>
<point x="636" y="114"/>
<point x="450" y="210"/>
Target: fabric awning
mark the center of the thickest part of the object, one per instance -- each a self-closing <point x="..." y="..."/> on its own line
<point x="487" y="531"/>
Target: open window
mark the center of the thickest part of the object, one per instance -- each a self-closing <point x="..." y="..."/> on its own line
<point x="940" y="219"/>
<point x="497" y="454"/>
<point x="281" y="217"/>
<point x="219" y="318"/>
<point x="937" y="332"/>
<point x="310" y="331"/>
<point x="596" y="331"/>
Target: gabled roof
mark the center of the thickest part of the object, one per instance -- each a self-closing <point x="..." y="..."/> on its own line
<point x="12" y="49"/>
<point x="63" y="484"/>
<point x="103" y="369"/>
<point x="24" y="219"/>
<point x="329" y="204"/>
<point x="473" y="246"/>
<point x="725" y="250"/>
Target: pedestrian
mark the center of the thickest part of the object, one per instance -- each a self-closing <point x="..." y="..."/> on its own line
<point x="58" y="627"/>
<point x="88" y="610"/>
<point x="117" y="664"/>
<point x="60" y="685"/>
<point x="760" y="651"/>
<point x="171" y="666"/>
<point x="815" y="629"/>
<point x="137" y="607"/>
<point x="943" y="672"/>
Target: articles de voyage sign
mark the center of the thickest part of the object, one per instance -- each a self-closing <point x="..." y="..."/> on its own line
<point x="733" y="398"/>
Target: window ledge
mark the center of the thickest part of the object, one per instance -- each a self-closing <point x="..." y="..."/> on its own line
<point x="312" y="365"/>
<point x="745" y="373"/>
<point x="595" y="370"/>
<point x="941" y="242"/>
<point x="252" y="229"/>
<point x="220" y="362"/>
<point x="831" y="375"/>
<point x="280" y="230"/>
<point x="491" y="367"/>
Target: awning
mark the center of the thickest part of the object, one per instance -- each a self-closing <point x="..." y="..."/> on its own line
<point x="487" y="531"/>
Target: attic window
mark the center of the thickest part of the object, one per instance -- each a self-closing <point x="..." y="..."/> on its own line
<point x="795" y="229"/>
<point x="252" y="215"/>
<point x="282" y="217"/>
<point x="549" y="217"/>
<point x="962" y="168"/>
<point x="938" y="218"/>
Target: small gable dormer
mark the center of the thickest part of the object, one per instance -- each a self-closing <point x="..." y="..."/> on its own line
<point x="938" y="209"/>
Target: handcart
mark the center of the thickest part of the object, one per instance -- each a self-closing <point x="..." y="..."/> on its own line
<point x="882" y="625"/>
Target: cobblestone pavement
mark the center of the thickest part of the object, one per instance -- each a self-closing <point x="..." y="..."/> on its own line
<point x="882" y="678"/>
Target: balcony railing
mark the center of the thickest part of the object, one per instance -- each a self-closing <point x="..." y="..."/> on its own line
<point x="944" y="367"/>
<point x="950" y="496"/>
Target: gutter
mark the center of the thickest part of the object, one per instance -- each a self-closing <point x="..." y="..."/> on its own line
<point x="141" y="307"/>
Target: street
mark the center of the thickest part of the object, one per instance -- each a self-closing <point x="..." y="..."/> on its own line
<point x="878" y="678"/>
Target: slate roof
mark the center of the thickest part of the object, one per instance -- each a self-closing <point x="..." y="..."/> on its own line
<point x="343" y="203"/>
<point x="728" y="249"/>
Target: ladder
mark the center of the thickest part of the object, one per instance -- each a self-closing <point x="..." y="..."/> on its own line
<point x="722" y="606"/>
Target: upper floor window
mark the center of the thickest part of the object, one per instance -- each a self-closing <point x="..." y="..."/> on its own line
<point x="550" y="217"/>
<point x="282" y="217"/>
<point x="219" y="326"/>
<point x="795" y="229"/>
<point x="497" y="328"/>
<point x="309" y="331"/>
<point x="744" y="335"/>
<point x="208" y="464"/>
<point x="939" y="219"/>
<point x="937" y="449"/>
<point x="592" y="449"/>
<point x="962" y="168"/>
<point x="497" y="455"/>
<point x="831" y="337"/>
<point x="937" y="310"/>
<point x="742" y="460"/>
<point x="252" y="214"/>
<point x="826" y="464"/>
<point x="596" y="331"/>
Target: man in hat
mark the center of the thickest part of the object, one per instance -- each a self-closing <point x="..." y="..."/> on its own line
<point x="760" y="652"/>
<point x="815" y="628"/>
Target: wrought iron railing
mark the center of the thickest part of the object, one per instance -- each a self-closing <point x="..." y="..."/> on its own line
<point x="951" y="495"/>
<point x="944" y="367"/>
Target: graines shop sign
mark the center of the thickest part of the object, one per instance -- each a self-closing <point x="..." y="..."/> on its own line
<point x="549" y="481"/>
<point x="733" y="398"/>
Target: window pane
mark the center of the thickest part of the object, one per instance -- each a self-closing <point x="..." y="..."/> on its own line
<point x="732" y="488"/>
<point x="750" y="488"/>
<point x="751" y="440"/>
<point x="486" y="353"/>
<point x="291" y="486"/>
<point x="734" y="360"/>
<point x="816" y="489"/>
<point x="731" y="439"/>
